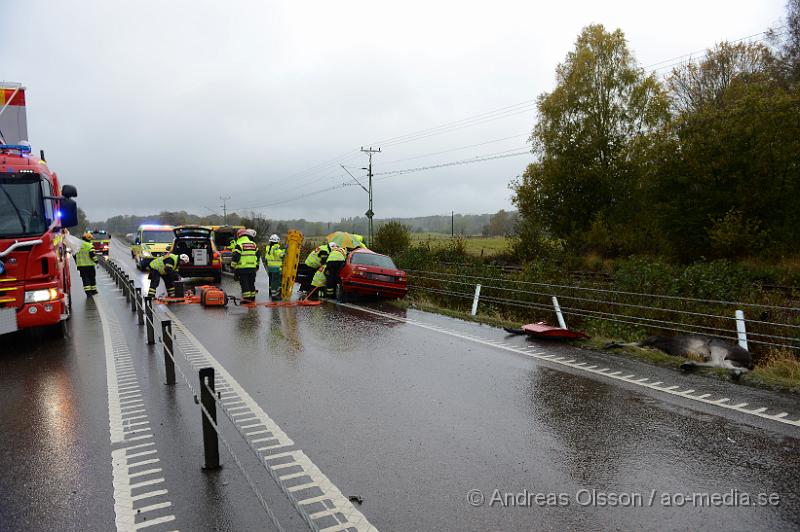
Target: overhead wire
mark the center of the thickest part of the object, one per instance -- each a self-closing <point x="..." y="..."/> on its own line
<point x="298" y="179"/>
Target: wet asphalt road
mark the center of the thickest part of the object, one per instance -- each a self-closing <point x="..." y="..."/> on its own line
<point x="409" y="418"/>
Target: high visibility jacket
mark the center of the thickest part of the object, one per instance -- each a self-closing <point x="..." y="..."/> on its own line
<point x="318" y="257"/>
<point x="85" y="256"/>
<point x="360" y="239"/>
<point x="245" y="253"/>
<point x="337" y="255"/>
<point x="273" y="256"/>
<point x="164" y="263"/>
<point x="320" y="279"/>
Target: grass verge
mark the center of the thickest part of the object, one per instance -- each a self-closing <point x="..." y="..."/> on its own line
<point x="780" y="371"/>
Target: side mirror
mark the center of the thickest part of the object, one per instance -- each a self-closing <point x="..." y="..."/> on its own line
<point x="69" y="191"/>
<point x="68" y="213"/>
<point x="137" y="241"/>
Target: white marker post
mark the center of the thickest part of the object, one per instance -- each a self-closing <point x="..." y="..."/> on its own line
<point x="475" y="299"/>
<point x="559" y="315"/>
<point x="740" y="329"/>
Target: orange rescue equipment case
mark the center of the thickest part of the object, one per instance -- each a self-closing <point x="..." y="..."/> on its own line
<point x="212" y="296"/>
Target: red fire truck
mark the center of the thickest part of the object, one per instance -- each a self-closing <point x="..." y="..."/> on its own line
<point x="35" y="211"/>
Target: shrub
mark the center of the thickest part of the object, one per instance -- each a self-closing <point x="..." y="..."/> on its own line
<point x="392" y="238"/>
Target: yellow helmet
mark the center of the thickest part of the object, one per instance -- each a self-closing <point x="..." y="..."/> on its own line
<point x="87" y="235"/>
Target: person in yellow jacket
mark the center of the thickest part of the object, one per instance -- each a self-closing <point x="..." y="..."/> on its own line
<point x="85" y="259"/>
<point x="318" y="282"/>
<point x="165" y="267"/>
<point x="307" y="270"/>
<point x="244" y="262"/>
<point x="333" y="266"/>
<point x="273" y="260"/>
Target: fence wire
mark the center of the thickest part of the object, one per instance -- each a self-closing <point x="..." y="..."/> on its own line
<point x="447" y="286"/>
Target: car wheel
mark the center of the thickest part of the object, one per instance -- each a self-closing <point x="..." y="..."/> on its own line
<point x="341" y="295"/>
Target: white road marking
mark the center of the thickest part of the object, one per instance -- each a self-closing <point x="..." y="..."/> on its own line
<point x="671" y="390"/>
<point x="121" y="429"/>
<point x="347" y="516"/>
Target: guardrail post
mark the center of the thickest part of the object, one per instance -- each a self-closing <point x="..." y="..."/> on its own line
<point x="559" y="315"/>
<point x="740" y="329"/>
<point x="210" y="440"/>
<point x="169" y="363"/>
<point x="149" y="325"/>
<point x="139" y="306"/>
<point x="126" y="287"/>
<point x="475" y="299"/>
<point x="132" y="290"/>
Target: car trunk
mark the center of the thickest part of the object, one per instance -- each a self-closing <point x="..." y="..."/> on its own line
<point x="198" y="249"/>
<point x="223" y="237"/>
<point x="196" y="243"/>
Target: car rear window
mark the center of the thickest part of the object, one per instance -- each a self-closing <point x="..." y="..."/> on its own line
<point x="372" y="259"/>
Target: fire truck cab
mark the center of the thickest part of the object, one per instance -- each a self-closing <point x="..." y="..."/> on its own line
<point x="35" y="212"/>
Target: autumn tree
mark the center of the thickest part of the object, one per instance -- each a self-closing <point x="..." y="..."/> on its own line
<point x="590" y="133"/>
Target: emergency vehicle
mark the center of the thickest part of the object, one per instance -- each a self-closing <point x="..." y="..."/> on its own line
<point x="35" y="212"/>
<point x="149" y="242"/>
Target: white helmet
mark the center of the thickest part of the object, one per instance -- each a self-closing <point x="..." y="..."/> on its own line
<point x="184" y="258"/>
<point x="274" y="238"/>
<point x="333" y="245"/>
<point x="251" y="233"/>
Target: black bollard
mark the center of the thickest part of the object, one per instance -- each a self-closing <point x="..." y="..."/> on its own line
<point x="149" y="324"/>
<point x="132" y="290"/>
<point x="210" y="440"/>
<point x="169" y="364"/>
<point x="139" y="306"/>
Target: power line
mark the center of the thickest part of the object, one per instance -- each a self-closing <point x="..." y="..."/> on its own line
<point x="448" y="127"/>
<point x="478" y="159"/>
<point x="456" y="149"/>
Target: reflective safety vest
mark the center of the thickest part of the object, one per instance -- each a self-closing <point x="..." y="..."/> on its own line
<point x="320" y="279"/>
<point x="163" y="264"/>
<point x="273" y="255"/>
<point x="245" y="253"/>
<point x="314" y="259"/>
<point x="337" y="255"/>
<point x="85" y="256"/>
<point x="360" y="239"/>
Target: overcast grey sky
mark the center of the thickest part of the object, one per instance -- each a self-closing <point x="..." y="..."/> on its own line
<point x="167" y="105"/>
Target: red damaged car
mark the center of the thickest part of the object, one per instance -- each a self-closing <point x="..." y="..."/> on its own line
<point x="368" y="273"/>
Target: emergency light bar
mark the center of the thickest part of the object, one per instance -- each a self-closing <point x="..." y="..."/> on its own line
<point x="21" y="148"/>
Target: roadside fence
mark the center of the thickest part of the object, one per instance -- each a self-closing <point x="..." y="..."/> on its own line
<point x="763" y="325"/>
<point x="158" y="328"/>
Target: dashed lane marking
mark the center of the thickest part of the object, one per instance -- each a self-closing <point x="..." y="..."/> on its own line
<point x="128" y="427"/>
<point x="659" y="386"/>
<point x="340" y="512"/>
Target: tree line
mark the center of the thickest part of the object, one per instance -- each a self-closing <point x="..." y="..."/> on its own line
<point x="498" y="224"/>
<point x="701" y="164"/>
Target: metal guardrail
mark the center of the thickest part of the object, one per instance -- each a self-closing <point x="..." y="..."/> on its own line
<point x="604" y="304"/>
<point x="207" y="401"/>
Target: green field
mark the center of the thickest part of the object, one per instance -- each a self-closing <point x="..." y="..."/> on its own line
<point x="475" y="245"/>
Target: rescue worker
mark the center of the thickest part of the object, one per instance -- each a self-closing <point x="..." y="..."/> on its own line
<point x="360" y="239"/>
<point x="318" y="282"/>
<point x="308" y="269"/>
<point x="333" y="266"/>
<point x="85" y="259"/>
<point x="245" y="263"/>
<point x="273" y="259"/>
<point x="165" y="267"/>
